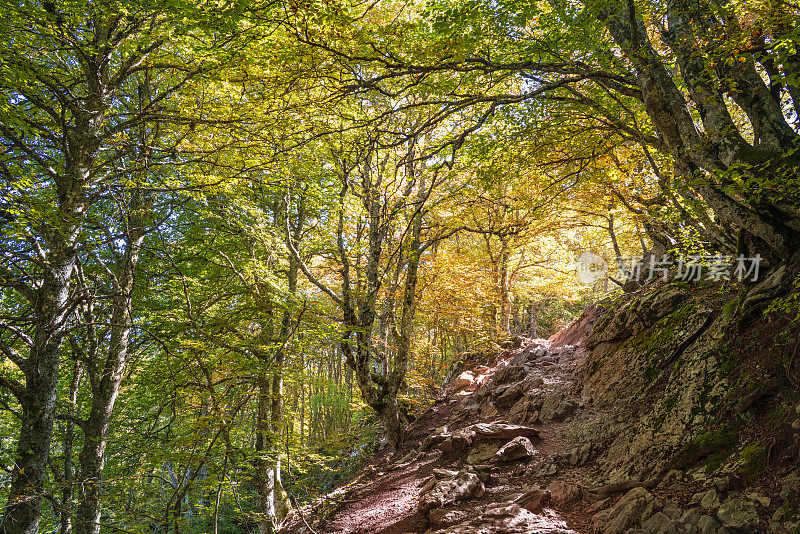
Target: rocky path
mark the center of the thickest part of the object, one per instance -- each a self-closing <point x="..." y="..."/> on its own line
<point x="544" y="439"/>
<point x="491" y="456"/>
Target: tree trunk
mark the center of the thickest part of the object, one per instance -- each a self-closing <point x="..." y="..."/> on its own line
<point x="38" y="397"/>
<point x="772" y="222"/>
<point x="504" y="281"/>
<point x="263" y="477"/>
<point x="69" y="438"/>
<point x="106" y="382"/>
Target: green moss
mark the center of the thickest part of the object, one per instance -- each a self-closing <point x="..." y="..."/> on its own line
<point x="715" y="460"/>
<point x="716" y="439"/>
<point x="753" y="461"/>
<point x="715" y="446"/>
<point x="595" y="366"/>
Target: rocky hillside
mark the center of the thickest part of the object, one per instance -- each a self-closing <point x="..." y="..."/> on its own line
<point x="667" y="411"/>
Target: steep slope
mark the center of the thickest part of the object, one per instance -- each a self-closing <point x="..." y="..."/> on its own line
<point x="649" y="414"/>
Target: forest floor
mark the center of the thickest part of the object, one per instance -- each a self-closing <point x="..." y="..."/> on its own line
<point x="452" y="476"/>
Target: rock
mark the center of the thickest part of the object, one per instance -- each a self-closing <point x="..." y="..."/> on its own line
<point x="529" y="354"/>
<point x="532" y="417"/>
<point x="627" y="513"/>
<point x="770" y="387"/>
<point x="464" y="485"/>
<point x="511" y="394"/>
<point x="673" y="476"/>
<point x="506" y="519"/>
<point x="578" y="456"/>
<point x="428" y="485"/>
<point x="455" y="442"/>
<point x="488" y="410"/>
<point x="469" y="404"/>
<point x="533" y="500"/>
<point x="520" y="407"/>
<point x="759" y="499"/>
<point x="599" y="505"/>
<point x="707" y="525"/>
<point x="482" y="453"/>
<point x="630" y="286"/>
<point x="672" y="510"/>
<point x="778" y="282"/>
<point x="738" y="513"/>
<point x="535" y="382"/>
<point x="708" y="499"/>
<point x="508" y="374"/>
<point x="500" y="430"/>
<point x="659" y="523"/>
<point x="517" y="448"/>
<point x="722" y="483"/>
<point x="557" y="407"/>
<point x="484" y="471"/>
<point x="542" y="469"/>
<point x="563" y="494"/>
<point x="690" y="517"/>
<point x="790" y="485"/>
<point x="465" y="380"/>
<point x="446" y="518"/>
<point x="434" y="440"/>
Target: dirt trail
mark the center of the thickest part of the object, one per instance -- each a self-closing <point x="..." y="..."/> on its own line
<point x="528" y="392"/>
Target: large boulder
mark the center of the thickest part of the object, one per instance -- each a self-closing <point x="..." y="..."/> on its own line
<point x="500" y="430"/>
<point x="462" y="486"/>
<point x="738" y="513"/>
<point x="517" y="448"/>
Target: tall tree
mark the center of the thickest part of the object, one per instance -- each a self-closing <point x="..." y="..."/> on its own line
<point x="394" y="192"/>
<point x="69" y="75"/>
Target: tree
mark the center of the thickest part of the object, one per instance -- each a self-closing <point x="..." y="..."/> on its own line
<point x="597" y="67"/>
<point x="71" y="80"/>
<point x="387" y="235"/>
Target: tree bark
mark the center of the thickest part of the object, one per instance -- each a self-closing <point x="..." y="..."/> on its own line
<point x="107" y="379"/>
<point x="695" y="154"/>
<point x="38" y="398"/>
<point x="504" y="281"/>
<point x="69" y="438"/>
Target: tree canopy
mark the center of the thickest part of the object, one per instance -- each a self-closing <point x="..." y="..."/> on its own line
<point x="240" y="237"/>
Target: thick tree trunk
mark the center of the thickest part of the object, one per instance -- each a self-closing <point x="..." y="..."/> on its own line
<point x="696" y="154"/>
<point x="38" y="397"/>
